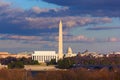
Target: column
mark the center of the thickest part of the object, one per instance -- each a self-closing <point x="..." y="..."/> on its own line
<point x="32" y="57"/>
<point x="60" y="43"/>
<point x="42" y="58"/>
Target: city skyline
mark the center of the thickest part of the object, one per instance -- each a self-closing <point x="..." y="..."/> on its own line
<point x="33" y="25"/>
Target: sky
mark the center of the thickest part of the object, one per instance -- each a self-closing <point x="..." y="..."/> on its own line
<point x="29" y="25"/>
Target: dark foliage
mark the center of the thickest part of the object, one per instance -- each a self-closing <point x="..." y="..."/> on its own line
<point x="89" y="60"/>
<point x="6" y="61"/>
<point x="17" y="64"/>
<point x="25" y="61"/>
<point x="86" y="61"/>
<point x="52" y="62"/>
<point x="65" y="63"/>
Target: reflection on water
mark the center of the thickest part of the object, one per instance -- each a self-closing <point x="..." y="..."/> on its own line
<point x="36" y="72"/>
<point x="82" y="66"/>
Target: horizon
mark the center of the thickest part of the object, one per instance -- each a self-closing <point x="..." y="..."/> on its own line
<point x="33" y="25"/>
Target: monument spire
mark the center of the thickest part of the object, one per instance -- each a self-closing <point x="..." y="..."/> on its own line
<point x="60" y="43"/>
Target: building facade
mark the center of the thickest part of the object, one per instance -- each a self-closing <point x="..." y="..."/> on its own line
<point x="6" y="54"/>
<point x="44" y="56"/>
<point x="70" y="53"/>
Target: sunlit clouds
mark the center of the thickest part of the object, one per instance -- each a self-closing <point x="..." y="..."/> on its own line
<point x="37" y="27"/>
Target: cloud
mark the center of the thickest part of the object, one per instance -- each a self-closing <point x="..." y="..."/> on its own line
<point x="69" y="21"/>
<point x="48" y="40"/>
<point x="19" y="37"/>
<point x="79" y="38"/>
<point x="113" y="39"/>
<point x="4" y="4"/>
<point x="40" y="26"/>
<point x="27" y="42"/>
<point x="37" y="10"/>
<point x="37" y="28"/>
<point x="84" y="39"/>
<point x="35" y="22"/>
<point x="107" y="40"/>
<point x="24" y="37"/>
<point x="26" y="24"/>
<point x="83" y="3"/>
<point x="102" y="28"/>
<point x="87" y="7"/>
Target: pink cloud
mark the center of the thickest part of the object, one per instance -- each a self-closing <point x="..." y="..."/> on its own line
<point x="107" y="19"/>
<point x="23" y="37"/>
<point x="68" y="21"/>
<point x="113" y="39"/>
<point x="4" y="4"/>
<point x="19" y="37"/>
<point x="38" y="10"/>
<point x="78" y="38"/>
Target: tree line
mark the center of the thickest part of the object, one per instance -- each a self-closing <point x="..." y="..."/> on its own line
<point x="13" y="62"/>
<point x="67" y="63"/>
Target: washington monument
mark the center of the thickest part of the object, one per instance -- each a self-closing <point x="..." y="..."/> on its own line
<point x="60" y="41"/>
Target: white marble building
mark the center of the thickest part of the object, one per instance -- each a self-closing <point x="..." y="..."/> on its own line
<point x="44" y="56"/>
<point x="70" y="53"/>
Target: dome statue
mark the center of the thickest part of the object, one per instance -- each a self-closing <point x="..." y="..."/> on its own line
<point x="69" y="51"/>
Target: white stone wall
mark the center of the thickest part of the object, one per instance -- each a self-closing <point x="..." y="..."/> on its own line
<point x="44" y="56"/>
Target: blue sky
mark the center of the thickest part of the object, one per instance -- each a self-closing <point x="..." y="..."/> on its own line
<point x="28" y="4"/>
<point x="33" y="25"/>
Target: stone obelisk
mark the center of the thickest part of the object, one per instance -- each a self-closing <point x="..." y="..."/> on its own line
<point x="60" y="42"/>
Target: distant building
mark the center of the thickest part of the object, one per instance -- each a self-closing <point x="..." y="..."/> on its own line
<point x="93" y="54"/>
<point x="70" y="53"/>
<point x="3" y="66"/>
<point x="24" y="54"/>
<point x="113" y="54"/>
<point x="116" y="52"/>
<point x="44" y="56"/>
<point x="6" y="54"/>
